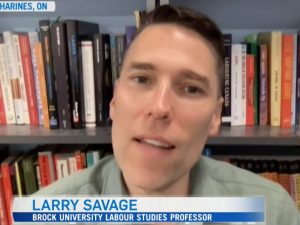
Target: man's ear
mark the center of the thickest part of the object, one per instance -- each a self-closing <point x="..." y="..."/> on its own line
<point x="112" y="102"/>
<point x="216" y="119"/>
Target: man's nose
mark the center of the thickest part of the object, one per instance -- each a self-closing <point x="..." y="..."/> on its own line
<point x="160" y="106"/>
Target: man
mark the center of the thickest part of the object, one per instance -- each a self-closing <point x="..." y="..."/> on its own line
<point x="166" y="103"/>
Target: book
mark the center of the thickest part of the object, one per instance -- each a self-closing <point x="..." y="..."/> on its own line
<point x="264" y="104"/>
<point x="274" y="42"/>
<point x="286" y="80"/>
<point x="88" y="83"/>
<point x="252" y="42"/>
<point x="20" y="69"/>
<point x="62" y="74"/>
<point x="49" y="73"/>
<point x="29" y="82"/>
<point x="226" y="111"/>
<point x="76" y="32"/>
<point x="33" y="39"/>
<point x="42" y="83"/>
<point x="13" y="74"/>
<point x="10" y="117"/>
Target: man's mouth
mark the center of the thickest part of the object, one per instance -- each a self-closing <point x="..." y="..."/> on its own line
<point x="156" y="143"/>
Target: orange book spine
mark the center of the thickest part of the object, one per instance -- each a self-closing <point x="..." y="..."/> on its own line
<point x="250" y="89"/>
<point x="8" y="189"/>
<point x="286" y="80"/>
<point x="3" y="212"/>
<point x="28" y="78"/>
<point x="42" y="81"/>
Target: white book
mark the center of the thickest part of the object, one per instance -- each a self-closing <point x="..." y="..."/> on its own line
<point x="72" y="164"/>
<point x="33" y="39"/>
<point x="294" y="81"/>
<point x="6" y="86"/>
<point x="88" y="83"/>
<point x="13" y="73"/>
<point x="238" y="84"/>
<point x="62" y="168"/>
<point x="19" y="65"/>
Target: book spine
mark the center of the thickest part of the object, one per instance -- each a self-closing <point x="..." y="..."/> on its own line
<point x="33" y="39"/>
<point x="17" y="50"/>
<point x="74" y="56"/>
<point x="13" y="73"/>
<point x="107" y="78"/>
<point x="250" y="90"/>
<point x="3" y="211"/>
<point x="42" y="83"/>
<point x="294" y="81"/>
<point x="7" y="185"/>
<point x="130" y="33"/>
<point x="98" y="77"/>
<point x="61" y="71"/>
<point x="88" y="82"/>
<point x="6" y="86"/>
<point x="275" y="78"/>
<point x="28" y="78"/>
<point x="226" y="112"/>
<point x="120" y="52"/>
<point x="113" y="53"/>
<point x="264" y="86"/>
<point x="298" y="84"/>
<point x="2" y="106"/>
<point x="44" y="170"/>
<point x="243" y="105"/>
<point x="30" y="176"/>
<point x="286" y="80"/>
<point x="49" y="73"/>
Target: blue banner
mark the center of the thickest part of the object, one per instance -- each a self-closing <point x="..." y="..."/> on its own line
<point x="126" y="217"/>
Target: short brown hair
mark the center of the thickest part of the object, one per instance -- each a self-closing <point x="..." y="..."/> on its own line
<point x="193" y="20"/>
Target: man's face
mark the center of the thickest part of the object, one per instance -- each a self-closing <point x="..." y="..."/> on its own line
<point x="165" y="105"/>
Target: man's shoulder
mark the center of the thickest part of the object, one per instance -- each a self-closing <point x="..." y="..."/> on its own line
<point x="87" y="181"/>
<point x="229" y="179"/>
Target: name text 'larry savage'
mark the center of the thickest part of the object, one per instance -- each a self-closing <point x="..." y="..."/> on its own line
<point x="90" y="204"/>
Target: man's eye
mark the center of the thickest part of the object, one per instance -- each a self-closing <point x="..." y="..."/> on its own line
<point x="141" y="80"/>
<point x="192" y="90"/>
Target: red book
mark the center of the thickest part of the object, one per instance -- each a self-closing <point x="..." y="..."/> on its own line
<point x="28" y="78"/>
<point x="47" y="170"/>
<point x="2" y="109"/>
<point x="250" y="90"/>
<point x="79" y="163"/>
<point x="7" y="168"/>
<point x="3" y="212"/>
<point x="286" y="80"/>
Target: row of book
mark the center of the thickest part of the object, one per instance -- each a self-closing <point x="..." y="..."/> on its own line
<point x="262" y="78"/>
<point x="26" y="173"/>
<point x="284" y="172"/>
<point x="61" y="76"/>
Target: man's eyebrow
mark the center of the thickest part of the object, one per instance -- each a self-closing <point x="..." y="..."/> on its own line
<point x="141" y="66"/>
<point x="194" y="76"/>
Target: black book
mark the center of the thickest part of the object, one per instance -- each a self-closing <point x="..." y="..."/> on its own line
<point x="61" y="71"/>
<point x="107" y="84"/>
<point x="49" y="72"/>
<point x="98" y="77"/>
<point x="76" y="32"/>
<point x="226" y="111"/>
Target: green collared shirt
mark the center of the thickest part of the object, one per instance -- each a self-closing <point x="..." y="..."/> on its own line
<point x="208" y="178"/>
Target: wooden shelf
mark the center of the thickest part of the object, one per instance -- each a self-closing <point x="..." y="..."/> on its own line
<point x="240" y="135"/>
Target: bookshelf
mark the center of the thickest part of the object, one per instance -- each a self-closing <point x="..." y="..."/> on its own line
<point x="113" y="16"/>
<point x="239" y="135"/>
